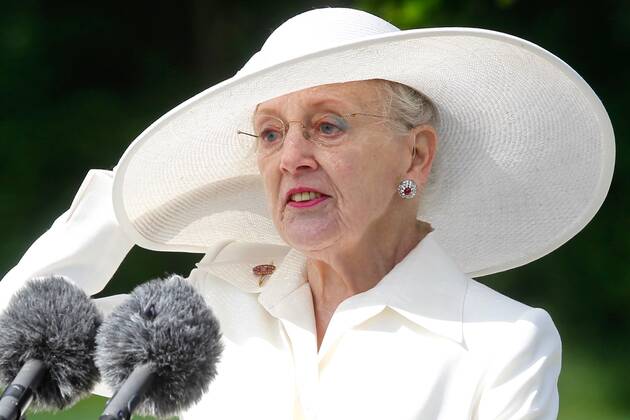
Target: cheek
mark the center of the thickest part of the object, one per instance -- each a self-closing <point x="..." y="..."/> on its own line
<point x="345" y="174"/>
<point x="342" y="168"/>
<point x="362" y="182"/>
<point x="376" y="179"/>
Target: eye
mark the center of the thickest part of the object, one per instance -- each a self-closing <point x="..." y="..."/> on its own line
<point x="270" y="135"/>
<point x="331" y="126"/>
<point x="269" y="129"/>
<point x="328" y="128"/>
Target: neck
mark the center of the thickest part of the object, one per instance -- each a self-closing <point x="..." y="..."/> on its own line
<point x="338" y="274"/>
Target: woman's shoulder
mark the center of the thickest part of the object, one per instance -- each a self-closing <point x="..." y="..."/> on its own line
<point x="493" y="323"/>
<point x="518" y="351"/>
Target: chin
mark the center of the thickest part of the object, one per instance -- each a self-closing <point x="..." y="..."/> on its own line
<point x="310" y="237"/>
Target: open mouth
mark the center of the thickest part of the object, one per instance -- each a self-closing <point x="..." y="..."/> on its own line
<point x="306" y="198"/>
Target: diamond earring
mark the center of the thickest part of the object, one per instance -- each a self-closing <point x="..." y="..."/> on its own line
<point x="407" y="189"/>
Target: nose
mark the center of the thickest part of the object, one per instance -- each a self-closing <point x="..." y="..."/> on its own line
<point x="297" y="152"/>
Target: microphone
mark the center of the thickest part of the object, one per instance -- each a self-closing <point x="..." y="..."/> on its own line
<point x="158" y="350"/>
<point x="47" y="346"/>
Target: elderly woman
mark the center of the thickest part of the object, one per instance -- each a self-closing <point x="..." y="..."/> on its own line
<point x="319" y="182"/>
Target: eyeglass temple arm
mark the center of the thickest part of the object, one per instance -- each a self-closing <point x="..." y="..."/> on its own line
<point x="247" y="134"/>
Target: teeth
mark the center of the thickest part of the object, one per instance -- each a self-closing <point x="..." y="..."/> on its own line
<point x="305" y="196"/>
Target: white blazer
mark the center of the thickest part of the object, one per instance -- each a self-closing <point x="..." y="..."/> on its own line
<point x="426" y="342"/>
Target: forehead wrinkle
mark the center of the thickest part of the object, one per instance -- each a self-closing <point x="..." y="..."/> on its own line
<point x="318" y="102"/>
<point x="347" y="95"/>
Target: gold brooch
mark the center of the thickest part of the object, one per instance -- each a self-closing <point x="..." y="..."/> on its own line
<point x="263" y="270"/>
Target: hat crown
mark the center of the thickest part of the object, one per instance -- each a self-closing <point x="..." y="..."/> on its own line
<point x="316" y="30"/>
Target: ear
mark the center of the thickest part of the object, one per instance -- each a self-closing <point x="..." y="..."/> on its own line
<point x="424" y="144"/>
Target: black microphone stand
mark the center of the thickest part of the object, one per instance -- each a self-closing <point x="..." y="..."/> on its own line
<point x="126" y="399"/>
<point x="18" y="396"/>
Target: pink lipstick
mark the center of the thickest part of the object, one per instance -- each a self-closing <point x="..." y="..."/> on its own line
<point x="308" y="203"/>
<point x="301" y="202"/>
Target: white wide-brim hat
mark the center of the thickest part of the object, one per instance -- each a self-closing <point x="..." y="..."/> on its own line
<point x="525" y="150"/>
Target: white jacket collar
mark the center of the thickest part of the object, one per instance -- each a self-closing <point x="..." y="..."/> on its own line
<point x="426" y="287"/>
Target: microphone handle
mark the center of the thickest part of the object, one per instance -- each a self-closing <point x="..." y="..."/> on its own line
<point x="130" y="394"/>
<point x="19" y="395"/>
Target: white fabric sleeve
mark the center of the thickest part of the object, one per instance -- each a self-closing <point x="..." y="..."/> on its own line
<point x="521" y="383"/>
<point x="85" y="243"/>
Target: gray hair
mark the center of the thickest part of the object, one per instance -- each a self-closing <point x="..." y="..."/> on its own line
<point x="407" y="106"/>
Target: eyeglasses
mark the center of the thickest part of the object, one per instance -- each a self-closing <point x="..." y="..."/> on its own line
<point x="327" y="130"/>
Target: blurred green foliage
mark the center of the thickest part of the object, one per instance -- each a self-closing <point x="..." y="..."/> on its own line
<point x="79" y="80"/>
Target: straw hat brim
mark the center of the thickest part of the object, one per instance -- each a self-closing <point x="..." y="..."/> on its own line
<point x="525" y="150"/>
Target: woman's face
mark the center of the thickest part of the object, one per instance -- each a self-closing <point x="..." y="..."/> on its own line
<point x="323" y="196"/>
